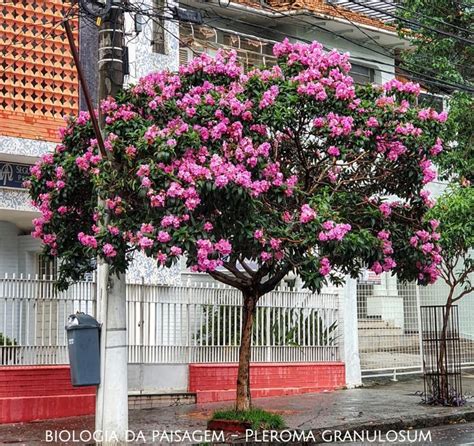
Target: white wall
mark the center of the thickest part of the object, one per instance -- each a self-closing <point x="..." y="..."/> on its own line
<point x="158" y="378"/>
<point x="8" y="248"/>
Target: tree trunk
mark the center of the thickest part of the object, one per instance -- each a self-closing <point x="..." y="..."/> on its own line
<point x="243" y="401"/>
<point x="442" y="363"/>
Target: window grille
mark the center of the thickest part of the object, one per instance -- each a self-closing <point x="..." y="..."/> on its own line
<point x="252" y="52"/>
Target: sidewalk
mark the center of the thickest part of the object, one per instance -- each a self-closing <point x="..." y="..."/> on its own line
<point x="380" y="406"/>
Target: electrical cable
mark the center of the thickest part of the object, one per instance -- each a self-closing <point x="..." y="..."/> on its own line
<point x="424" y="77"/>
<point x="414" y="23"/>
<point x="362" y="31"/>
<point x="434" y="19"/>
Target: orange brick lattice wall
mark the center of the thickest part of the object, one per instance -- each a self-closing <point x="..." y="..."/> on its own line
<point x="38" y="79"/>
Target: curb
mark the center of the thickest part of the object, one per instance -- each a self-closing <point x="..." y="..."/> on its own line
<point x="397" y="424"/>
<point x="379" y="426"/>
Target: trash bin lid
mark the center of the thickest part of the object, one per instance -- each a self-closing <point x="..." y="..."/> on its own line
<point x="81" y="320"/>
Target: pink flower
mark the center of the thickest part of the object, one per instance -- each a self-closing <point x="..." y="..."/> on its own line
<point x="389" y="264"/>
<point x="109" y="250"/>
<point x="269" y="97"/>
<point x="163" y="237"/>
<point x="131" y="151"/>
<point x="143" y="170"/>
<point x="113" y="230"/>
<point x="223" y="246"/>
<point x="87" y="240"/>
<point x="258" y="234"/>
<point x="147" y="228"/>
<point x="307" y="214"/>
<point x="176" y="251"/>
<point x="275" y="243"/>
<point x="145" y="242"/>
<point x="146" y="182"/>
<point x="333" y="151"/>
<point x="265" y="256"/>
<point x="208" y="226"/>
<point x="372" y="122"/>
<point x="377" y="268"/>
<point x="60" y="184"/>
<point x="324" y="266"/>
<point x="437" y="148"/>
<point x="443" y="116"/>
<point x="161" y="258"/>
<point x="286" y="217"/>
<point x="386" y="209"/>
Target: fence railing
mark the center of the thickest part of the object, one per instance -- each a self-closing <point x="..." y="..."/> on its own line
<point x="169" y="324"/>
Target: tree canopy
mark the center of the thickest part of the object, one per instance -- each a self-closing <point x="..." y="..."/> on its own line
<point x="285" y="167"/>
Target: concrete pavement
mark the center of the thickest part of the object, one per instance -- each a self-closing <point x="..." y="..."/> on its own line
<point x="378" y="407"/>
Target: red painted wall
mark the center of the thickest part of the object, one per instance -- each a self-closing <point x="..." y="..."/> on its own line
<point x="41" y="392"/>
<point x="217" y="382"/>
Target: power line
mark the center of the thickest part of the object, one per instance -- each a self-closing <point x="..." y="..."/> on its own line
<point x="153" y="17"/>
<point x="434" y="19"/>
<point x="415" y="23"/>
<point x="362" y="31"/>
<point x="418" y="76"/>
<point x="395" y="58"/>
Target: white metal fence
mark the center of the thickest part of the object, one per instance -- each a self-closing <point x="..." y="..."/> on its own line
<point x="389" y="325"/>
<point x="169" y="324"/>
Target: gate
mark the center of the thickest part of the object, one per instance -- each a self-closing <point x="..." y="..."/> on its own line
<point x="390" y="325"/>
<point x="441" y="357"/>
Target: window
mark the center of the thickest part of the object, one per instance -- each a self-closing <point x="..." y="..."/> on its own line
<point x="362" y="75"/>
<point x="428" y="100"/>
<point x="158" y="42"/>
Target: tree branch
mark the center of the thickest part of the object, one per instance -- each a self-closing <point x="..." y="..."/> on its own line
<point x="235" y="271"/>
<point x="469" y="290"/>
<point x="247" y="268"/>
<point x="271" y="283"/>
<point x="224" y="278"/>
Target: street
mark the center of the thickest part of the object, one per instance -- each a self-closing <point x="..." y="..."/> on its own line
<point x="451" y="435"/>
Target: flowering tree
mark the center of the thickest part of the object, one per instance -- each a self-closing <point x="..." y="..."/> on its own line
<point x="453" y="211"/>
<point x="250" y="176"/>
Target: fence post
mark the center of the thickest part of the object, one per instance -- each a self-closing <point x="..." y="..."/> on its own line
<point x="268" y="334"/>
<point x="420" y="327"/>
<point x="350" y="335"/>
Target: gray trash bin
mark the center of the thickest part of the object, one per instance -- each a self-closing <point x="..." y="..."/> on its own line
<point x="83" y="335"/>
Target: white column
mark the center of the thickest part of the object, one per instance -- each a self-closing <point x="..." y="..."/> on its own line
<point x="350" y="335"/>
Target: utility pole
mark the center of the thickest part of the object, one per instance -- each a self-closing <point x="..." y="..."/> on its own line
<point x="112" y="394"/>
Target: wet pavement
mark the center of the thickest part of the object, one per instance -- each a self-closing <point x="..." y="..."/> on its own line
<point x="393" y="405"/>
